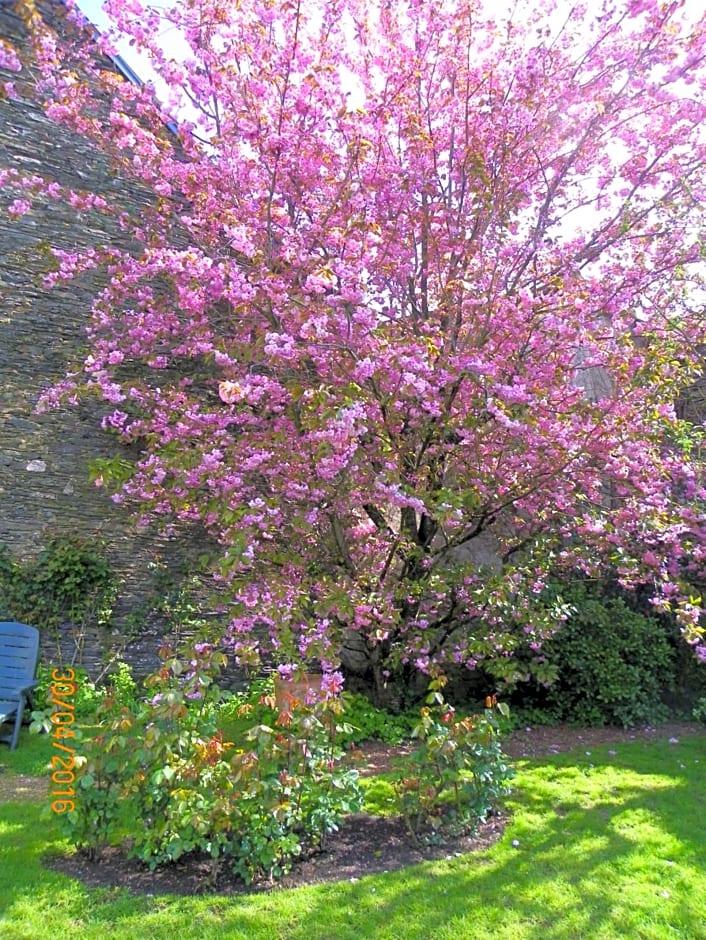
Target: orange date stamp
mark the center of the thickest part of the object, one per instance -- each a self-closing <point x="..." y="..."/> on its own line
<point x="62" y="691"/>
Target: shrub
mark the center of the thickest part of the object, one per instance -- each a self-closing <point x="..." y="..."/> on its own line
<point x="613" y="663"/>
<point x="89" y="697"/>
<point x="122" y="685"/>
<point x="457" y="775"/>
<point x="363" y="721"/>
<point x="70" y="581"/>
<point x="86" y="701"/>
<point x="163" y="779"/>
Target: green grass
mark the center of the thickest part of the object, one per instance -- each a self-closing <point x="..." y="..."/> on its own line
<point x="32" y="755"/>
<point x="605" y="845"/>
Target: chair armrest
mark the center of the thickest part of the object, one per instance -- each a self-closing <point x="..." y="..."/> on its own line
<point x="27" y="687"/>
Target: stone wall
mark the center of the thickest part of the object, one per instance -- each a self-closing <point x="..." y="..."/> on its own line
<point x="44" y="459"/>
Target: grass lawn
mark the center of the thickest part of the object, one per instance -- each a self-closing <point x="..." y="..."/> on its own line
<point x="601" y="845"/>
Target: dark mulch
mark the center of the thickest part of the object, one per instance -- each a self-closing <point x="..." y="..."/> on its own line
<point x="365" y="844"/>
<point x="536" y="742"/>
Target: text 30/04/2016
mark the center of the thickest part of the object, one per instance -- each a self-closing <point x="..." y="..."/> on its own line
<point x="63" y="689"/>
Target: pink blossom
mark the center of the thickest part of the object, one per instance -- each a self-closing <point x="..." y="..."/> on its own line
<point x="9" y="58"/>
<point x="18" y="208"/>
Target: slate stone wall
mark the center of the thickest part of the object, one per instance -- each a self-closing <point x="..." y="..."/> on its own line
<point x="44" y="459"/>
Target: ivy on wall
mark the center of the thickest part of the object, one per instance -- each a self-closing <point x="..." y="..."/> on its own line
<point x="70" y="584"/>
<point x="71" y="588"/>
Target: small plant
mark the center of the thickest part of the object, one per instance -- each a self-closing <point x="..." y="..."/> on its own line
<point x="86" y="701"/>
<point x="457" y="775"/>
<point x="699" y="712"/>
<point x="89" y="698"/>
<point x="122" y="686"/>
<point x="292" y="789"/>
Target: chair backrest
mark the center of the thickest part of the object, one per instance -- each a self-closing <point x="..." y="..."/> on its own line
<point x="19" y="652"/>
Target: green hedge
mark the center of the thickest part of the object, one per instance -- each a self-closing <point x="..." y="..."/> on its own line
<point x="614" y="664"/>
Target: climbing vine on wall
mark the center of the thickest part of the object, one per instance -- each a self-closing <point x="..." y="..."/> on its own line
<point x="69" y="584"/>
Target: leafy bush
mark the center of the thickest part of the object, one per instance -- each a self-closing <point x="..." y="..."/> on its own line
<point x="71" y="580"/>
<point x="166" y="779"/>
<point x="88" y="698"/>
<point x="613" y="663"/>
<point x="457" y="775"/>
<point x="122" y="686"/>
<point x="364" y="722"/>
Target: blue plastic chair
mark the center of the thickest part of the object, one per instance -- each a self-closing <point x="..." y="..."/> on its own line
<point x="19" y="653"/>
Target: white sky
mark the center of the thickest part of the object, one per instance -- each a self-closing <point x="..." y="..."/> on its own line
<point x="138" y="62"/>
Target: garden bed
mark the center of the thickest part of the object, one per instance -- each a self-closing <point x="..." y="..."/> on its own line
<point x="364" y="844"/>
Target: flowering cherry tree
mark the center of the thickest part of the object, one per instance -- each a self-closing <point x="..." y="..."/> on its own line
<point x="406" y="325"/>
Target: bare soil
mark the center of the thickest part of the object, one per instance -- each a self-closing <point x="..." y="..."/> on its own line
<point x="18" y="788"/>
<point x="364" y="845"/>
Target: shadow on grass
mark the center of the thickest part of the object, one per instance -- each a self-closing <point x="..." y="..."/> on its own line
<point x="604" y="850"/>
<point x="608" y="845"/>
<point x="32" y="755"/>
